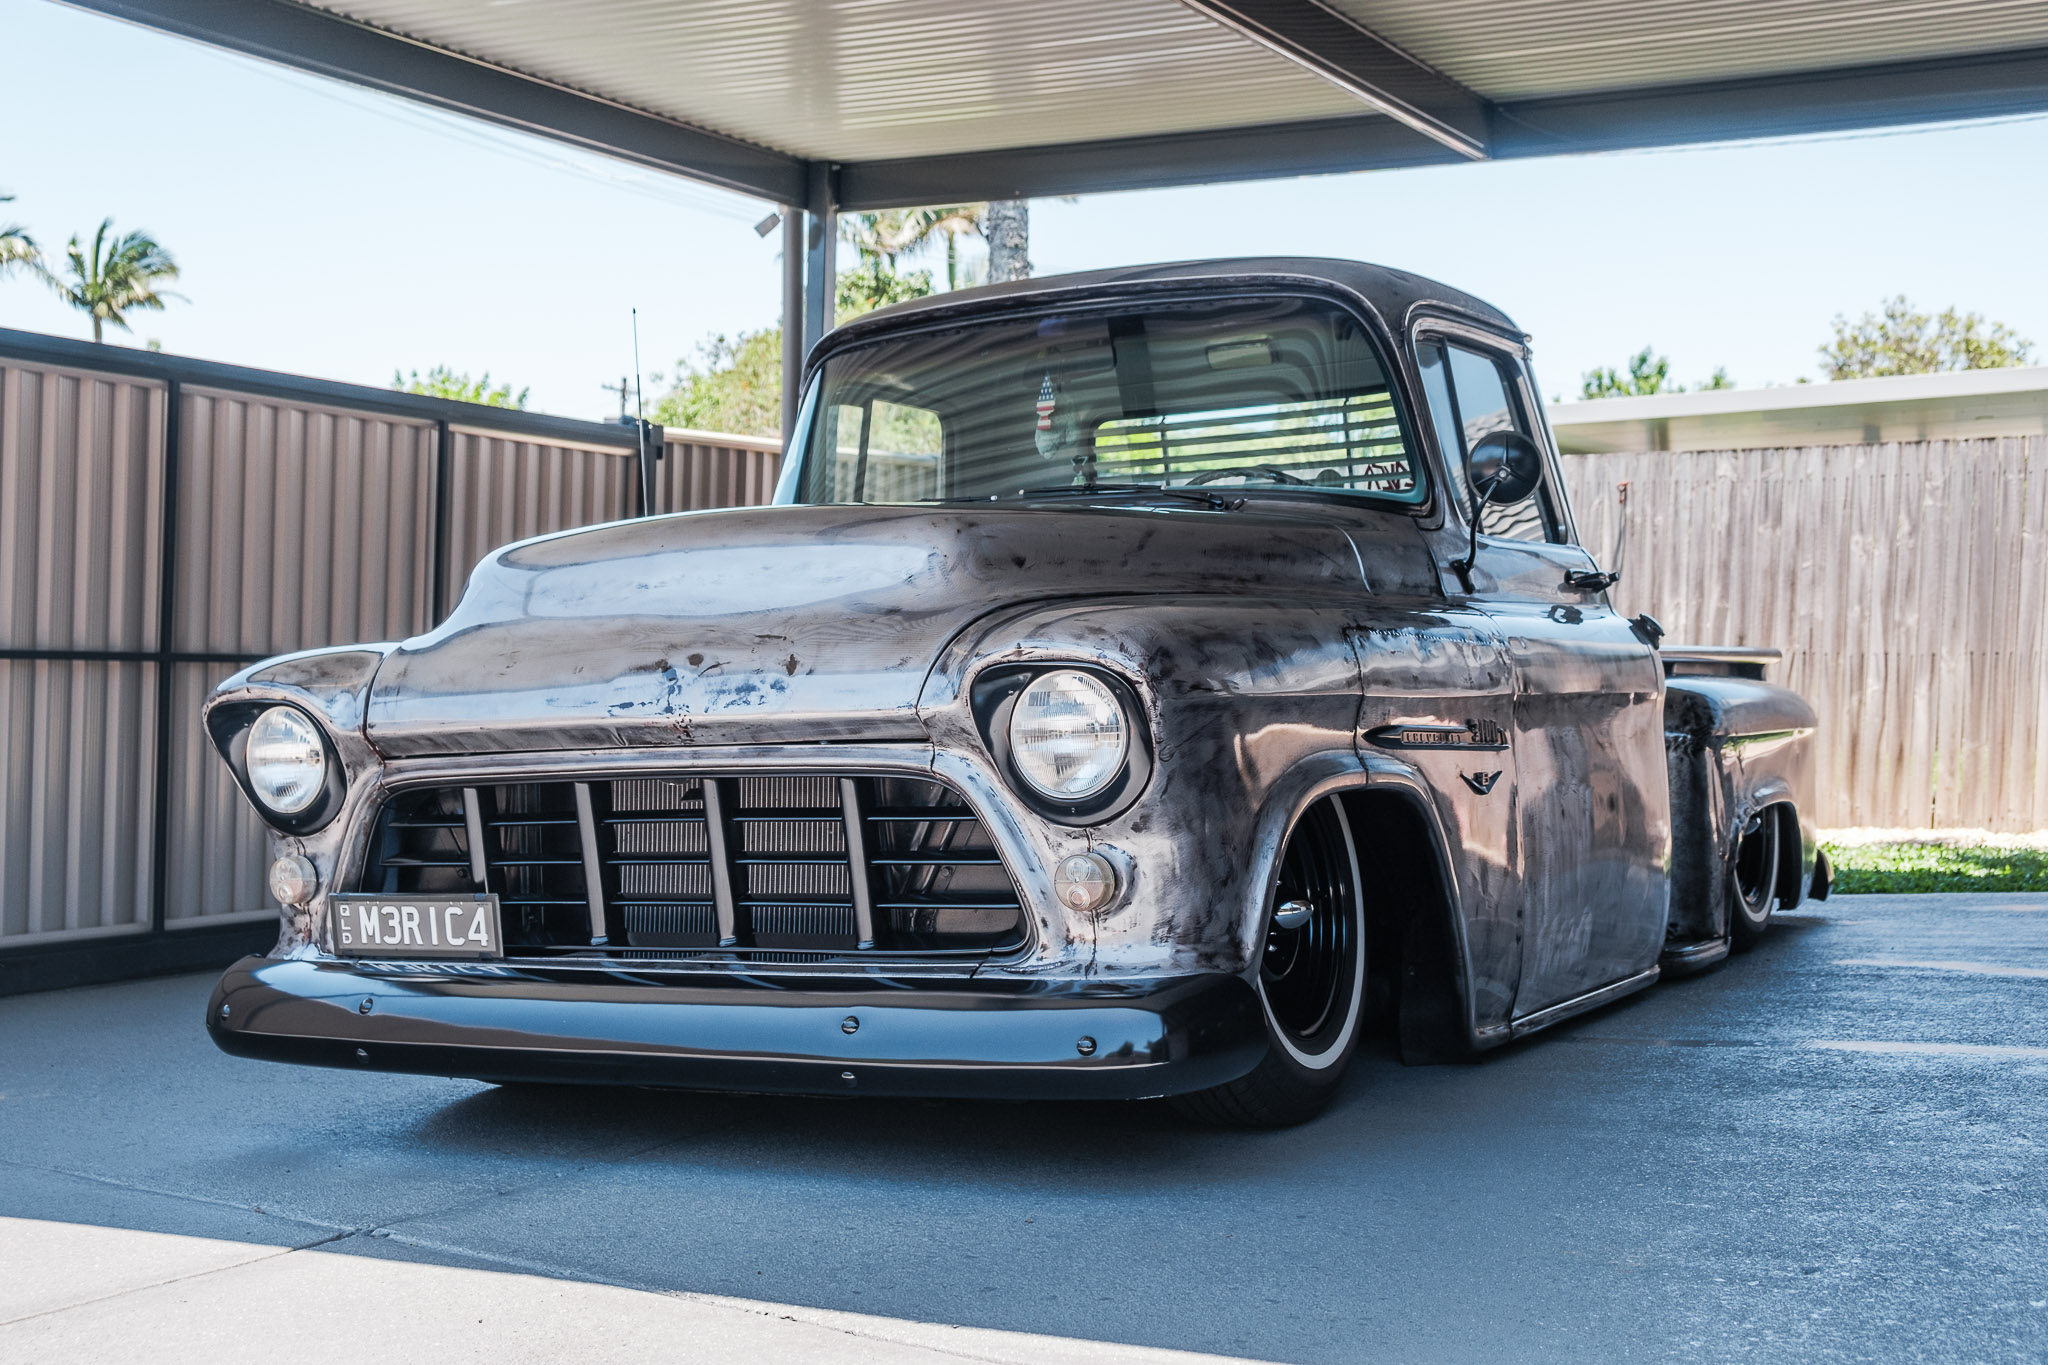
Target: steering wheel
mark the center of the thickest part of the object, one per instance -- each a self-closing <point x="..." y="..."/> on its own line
<point x="1273" y="472"/>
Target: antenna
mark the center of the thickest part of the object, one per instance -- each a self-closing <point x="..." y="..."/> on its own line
<point x="640" y="424"/>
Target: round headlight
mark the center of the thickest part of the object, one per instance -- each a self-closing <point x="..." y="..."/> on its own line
<point x="1068" y="735"/>
<point x="287" y="762"/>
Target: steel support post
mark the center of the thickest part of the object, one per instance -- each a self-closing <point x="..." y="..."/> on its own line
<point x="792" y="319"/>
<point x="822" y="238"/>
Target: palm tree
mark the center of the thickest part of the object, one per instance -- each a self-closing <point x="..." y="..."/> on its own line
<point x="1007" y="225"/>
<point x="905" y="232"/>
<point x="114" y="277"/>
<point x="16" y="246"/>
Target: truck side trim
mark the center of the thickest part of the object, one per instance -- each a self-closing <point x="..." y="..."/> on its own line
<point x="1579" y="1004"/>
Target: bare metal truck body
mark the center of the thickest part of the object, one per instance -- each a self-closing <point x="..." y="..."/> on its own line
<point x="1145" y="683"/>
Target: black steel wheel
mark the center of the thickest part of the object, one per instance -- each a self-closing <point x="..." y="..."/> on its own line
<point x="1311" y="982"/>
<point x="1753" y="881"/>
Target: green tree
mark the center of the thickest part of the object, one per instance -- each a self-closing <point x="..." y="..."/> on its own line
<point x="734" y="385"/>
<point x="16" y="246"/>
<point x="891" y="234"/>
<point x="1647" y="373"/>
<point x="442" y="382"/>
<point x="1902" y="340"/>
<point x="113" y="278"/>
<point x="872" y="284"/>
<point x="1007" y="225"/>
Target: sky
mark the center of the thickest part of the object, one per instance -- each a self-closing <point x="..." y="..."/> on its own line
<point x="336" y="232"/>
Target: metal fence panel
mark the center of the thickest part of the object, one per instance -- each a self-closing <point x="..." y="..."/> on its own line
<point x="217" y="849"/>
<point x="81" y="509"/>
<point x="1906" y="583"/>
<point x="299" y="525"/>
<point x="77" y="777"/>
<point x="702" y="469"/>
<point x="504" y="488"/>
<point x="299" y="513"/>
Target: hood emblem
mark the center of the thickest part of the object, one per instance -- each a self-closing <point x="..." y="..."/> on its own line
<point x="1482" y="782"/>
<point x="1473" y="734"/>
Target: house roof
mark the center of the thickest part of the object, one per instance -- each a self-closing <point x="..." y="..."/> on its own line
<point x="1919" y="407"/>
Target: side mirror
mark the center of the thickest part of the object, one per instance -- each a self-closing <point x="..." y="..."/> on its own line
<point x="1505" y="467"/>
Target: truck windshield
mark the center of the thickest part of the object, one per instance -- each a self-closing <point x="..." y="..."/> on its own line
<point x="1244" y="393"/>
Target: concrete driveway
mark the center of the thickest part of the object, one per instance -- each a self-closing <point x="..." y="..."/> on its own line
<point x="1834" y="1148"/>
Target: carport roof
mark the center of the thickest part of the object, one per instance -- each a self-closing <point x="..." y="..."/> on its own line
<point x="870" y="104"/>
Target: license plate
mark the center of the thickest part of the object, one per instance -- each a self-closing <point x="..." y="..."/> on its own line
<point x="365" y="925"/>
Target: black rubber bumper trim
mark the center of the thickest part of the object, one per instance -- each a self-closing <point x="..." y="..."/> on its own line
<point x="997" y="1040"/>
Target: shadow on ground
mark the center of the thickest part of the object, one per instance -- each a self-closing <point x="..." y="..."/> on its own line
<point x="1678" y="1175"/>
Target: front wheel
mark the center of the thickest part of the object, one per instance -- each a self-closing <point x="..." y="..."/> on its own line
<point x="1753" y="886"/>
<point x="1311" y="983"/>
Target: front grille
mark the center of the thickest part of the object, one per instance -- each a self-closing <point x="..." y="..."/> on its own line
<point x="775" y="868"/>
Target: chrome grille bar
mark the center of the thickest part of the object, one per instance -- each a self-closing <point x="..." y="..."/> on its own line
<point x="857" y="865"/>
<point x="593" y="865"/>
<point x="715" y="832"/>
<point x="473" y="824"/>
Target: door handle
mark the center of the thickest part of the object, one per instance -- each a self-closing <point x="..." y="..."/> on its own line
<point x="1591" y="580"/>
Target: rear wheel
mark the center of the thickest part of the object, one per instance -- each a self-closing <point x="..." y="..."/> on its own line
<point x="1311" y="983"/>
<point x="1753" y="889"/>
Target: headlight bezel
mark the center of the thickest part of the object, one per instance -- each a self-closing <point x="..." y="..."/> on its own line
<point x="230" y="726"/>
<point x="994" y="695"/>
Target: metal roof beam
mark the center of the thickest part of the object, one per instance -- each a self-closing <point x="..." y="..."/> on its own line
<point x="1985" y="85"/>
<point x="1265" y="152"/>
<point x="1359" y="61"/>
<point x="1929" y="90"/>
<point x="331" y="45"/>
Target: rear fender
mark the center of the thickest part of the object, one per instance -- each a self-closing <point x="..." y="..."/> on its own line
<point x="1735" y="746"/>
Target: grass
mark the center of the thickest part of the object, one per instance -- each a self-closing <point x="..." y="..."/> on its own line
<point x="1903" y="860"/>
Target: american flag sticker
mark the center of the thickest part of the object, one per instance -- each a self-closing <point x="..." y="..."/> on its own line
<point x="1046" y="403"/>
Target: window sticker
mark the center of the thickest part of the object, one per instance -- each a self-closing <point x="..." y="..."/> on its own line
<point x="1055" y="430"/>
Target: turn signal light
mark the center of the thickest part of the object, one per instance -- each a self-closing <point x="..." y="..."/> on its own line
<point x="1085" y="882"/>
<point x="293" y="880"/>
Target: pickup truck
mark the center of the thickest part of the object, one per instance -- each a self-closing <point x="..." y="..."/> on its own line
<point x="1149" y="682"/>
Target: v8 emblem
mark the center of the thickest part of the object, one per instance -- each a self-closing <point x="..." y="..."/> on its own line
<point x="1482" y="782"/>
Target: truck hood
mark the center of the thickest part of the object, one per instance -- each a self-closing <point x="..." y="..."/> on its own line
<point x="797" y="623"/>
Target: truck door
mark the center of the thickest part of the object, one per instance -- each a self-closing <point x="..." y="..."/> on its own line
<point x="1438" y="698"/>
<point x="1591" y="802"/>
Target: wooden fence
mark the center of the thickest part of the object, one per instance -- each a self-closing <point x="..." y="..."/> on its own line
<point x="1906" y="583"/>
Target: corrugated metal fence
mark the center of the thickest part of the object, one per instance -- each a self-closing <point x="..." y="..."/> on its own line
<point x="165" y="521"/>
<point x="1906" y="583"/>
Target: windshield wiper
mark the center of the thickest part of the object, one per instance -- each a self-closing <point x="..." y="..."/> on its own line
<point x="1150" y="490"/>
